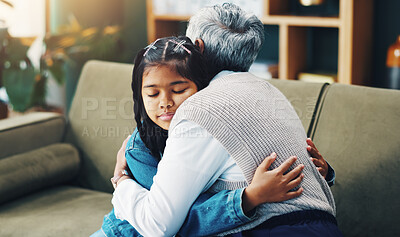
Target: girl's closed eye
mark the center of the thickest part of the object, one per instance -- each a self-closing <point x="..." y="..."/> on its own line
<point x="153" y="95"/>
<point x="179" y="91"/>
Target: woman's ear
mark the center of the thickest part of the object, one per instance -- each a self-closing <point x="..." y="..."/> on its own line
<point x="200" y="43"/>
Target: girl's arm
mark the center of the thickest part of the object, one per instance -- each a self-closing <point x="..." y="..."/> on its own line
<point x="212" y="214"/>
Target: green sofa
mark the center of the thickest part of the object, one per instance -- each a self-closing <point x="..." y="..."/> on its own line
<point x="55" y="171"/>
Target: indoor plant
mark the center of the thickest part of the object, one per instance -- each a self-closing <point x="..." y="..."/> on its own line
<point x="17" y="74"/>
<point x="66" y="52"/>
<point x="3" y="30"/>
<point x="73" y="45"/>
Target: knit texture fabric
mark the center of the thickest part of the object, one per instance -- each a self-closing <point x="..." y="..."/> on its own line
<point x="252" y="119"/>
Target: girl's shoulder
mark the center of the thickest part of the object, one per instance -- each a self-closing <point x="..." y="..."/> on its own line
<point x="137" y="154"/>
<point x="136" y="143"/>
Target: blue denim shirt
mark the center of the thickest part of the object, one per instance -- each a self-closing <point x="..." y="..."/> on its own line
<point x="210" y="213"/>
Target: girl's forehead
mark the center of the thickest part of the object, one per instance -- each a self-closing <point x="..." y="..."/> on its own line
<point x="151" y="68"/>
<point x="161" y="75"/>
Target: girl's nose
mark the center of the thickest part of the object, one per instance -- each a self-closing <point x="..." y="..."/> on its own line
<point x="166" y="102"/>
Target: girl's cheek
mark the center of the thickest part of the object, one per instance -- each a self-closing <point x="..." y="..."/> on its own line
<point x="150" y="105"/>
<point x="180" y="101"/>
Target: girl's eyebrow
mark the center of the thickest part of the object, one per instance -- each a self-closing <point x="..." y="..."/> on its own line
<point x="178" y="82"/>
<point x="148" y="86"/>
<point x="171" y="84"/>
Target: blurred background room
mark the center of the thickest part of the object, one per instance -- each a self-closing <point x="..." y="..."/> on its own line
<point x="66" y="102"/>
<point x="45" y="43"/>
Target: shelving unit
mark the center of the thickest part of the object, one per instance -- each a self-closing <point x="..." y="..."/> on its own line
<point x="353" y="23"/>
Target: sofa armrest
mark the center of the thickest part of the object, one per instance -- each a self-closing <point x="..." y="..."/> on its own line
<point x="31" y="131"/>
<point x="37" y="169"/>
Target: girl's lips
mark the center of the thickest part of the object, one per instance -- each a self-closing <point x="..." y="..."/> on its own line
<point x="166" y="116"/>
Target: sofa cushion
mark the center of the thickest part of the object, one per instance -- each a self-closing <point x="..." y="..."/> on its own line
<point x="303" y="96"/>
<point x="100" y="118"/>
<point x="40" y="168"/>
<point x="62" y="211"/>
<point x="31" y="131"/>
<point x="357" y="131"/>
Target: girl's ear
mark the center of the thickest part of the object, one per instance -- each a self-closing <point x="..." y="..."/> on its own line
<point x="200" y="43"/>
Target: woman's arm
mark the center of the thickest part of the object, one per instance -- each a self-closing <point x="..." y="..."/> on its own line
<point x="214" y="213"/>
<point x="182" y="175"/>
<point x="211" y="214"/>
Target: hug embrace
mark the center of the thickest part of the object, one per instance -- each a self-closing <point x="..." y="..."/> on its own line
<point x="216" y="151"/>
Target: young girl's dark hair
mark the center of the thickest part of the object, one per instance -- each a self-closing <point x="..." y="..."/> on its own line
<point x="181" y="55"/>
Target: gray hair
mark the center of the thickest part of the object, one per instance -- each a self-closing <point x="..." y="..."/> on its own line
<point x="232" y="37"/>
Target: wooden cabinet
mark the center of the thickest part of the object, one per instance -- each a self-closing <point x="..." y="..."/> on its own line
<point x="354" y="38"/>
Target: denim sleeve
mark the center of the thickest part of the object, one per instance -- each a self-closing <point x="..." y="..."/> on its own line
<point x="141" y="163"/>
<point x="143" y="166"/>
<point x="330" y="176"/>
<point x="211" y="214"/>
<point x="115" y="227"/>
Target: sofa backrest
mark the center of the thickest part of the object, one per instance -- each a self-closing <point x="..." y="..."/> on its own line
<point x="303" y="96"/>
<point x="358" y="131"/>
<point x="100" y="118"/>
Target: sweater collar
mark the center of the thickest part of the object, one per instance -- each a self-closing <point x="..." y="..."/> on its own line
<point x="222" y="74"/>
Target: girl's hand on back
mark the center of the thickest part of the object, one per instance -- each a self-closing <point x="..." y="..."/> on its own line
<point x="317" y="158"/>
<point x="273" y="185"/>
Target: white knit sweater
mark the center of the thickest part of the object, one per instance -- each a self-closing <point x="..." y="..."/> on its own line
<point x="252" y="119"/>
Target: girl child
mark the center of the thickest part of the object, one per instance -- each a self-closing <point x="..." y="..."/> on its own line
<point x="166" y="73"/>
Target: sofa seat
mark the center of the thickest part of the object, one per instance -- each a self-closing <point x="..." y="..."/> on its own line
<point x="59" y="211"/>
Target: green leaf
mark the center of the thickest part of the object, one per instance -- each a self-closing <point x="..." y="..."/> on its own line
<point x="57" y="70"/>
<point x="19" y="86"/>
<point x="39" y="91"/>
<point x="17" y="49"/>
